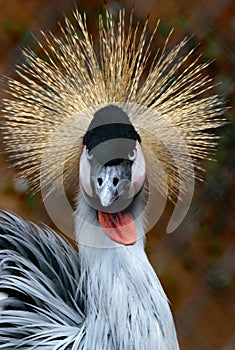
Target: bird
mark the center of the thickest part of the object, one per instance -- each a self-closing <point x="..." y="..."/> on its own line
<point x="126" y="129"/>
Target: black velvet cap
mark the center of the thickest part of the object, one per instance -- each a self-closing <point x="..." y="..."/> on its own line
<point x="110" y="135"/>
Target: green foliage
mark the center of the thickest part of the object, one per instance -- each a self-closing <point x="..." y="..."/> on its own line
<point x="32" y="200"/>
<point x="17" y="29"/>
<point x="218" y="280"/>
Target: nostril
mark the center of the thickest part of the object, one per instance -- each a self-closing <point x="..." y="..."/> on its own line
<point x="115" y="181"/>
<point x="100" y="181"/>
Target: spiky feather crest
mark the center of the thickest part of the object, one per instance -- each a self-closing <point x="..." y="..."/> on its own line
<point x="56" y="99"/>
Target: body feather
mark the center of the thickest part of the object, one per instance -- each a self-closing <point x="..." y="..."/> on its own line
<point x="106" y="299"/>
<point x="39" y="272"/>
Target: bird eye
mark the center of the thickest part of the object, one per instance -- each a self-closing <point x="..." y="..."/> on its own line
<point x="89" y="155"/>
<point x="132" y="155"/>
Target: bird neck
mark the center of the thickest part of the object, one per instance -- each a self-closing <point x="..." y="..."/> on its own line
<point x="125" y="305"/>
<point x="86" y="221"/>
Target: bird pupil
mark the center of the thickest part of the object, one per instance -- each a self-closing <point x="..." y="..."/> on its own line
<point x="100" y="181"/>
<point x="115" y="181"/>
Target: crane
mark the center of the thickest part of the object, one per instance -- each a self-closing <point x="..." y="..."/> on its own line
<point x="120" y="125"/>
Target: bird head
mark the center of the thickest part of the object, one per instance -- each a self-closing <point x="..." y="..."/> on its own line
<point x="125" y="117"/>
<point x="112" y="171"/>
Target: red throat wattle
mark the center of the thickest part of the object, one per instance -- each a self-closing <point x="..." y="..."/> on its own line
<point x="120" y="228"/>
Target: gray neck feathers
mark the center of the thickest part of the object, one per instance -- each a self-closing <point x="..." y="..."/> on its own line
<point x="126" y="307"/>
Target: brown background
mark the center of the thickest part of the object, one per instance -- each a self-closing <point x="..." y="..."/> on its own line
<point x="196" y="264"/>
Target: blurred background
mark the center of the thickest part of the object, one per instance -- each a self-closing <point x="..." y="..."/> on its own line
<point x="196" y="264"/>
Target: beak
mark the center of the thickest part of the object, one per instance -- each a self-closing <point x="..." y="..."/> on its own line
<point x="112" y="182"/>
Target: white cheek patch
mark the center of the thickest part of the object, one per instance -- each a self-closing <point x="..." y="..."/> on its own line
<point x="138" y="172"/>
<point x="84" y="173"/>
